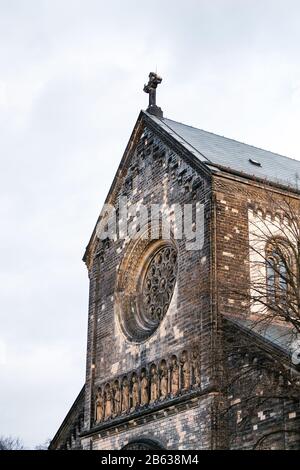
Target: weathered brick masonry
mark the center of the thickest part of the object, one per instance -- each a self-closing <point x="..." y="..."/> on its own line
<point x="166" y="388"/>
<point x="153" y="177"/>
<point x="273" y="420"/>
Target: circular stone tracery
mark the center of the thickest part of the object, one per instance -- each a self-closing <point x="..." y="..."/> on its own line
<point x="146" y="282"/>
<point x="159" y="283"/>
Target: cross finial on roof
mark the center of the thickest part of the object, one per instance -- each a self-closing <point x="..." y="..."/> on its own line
<point x="150" y="88"/>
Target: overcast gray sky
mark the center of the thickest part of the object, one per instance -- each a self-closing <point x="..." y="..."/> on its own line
<point x="71" y="81"/>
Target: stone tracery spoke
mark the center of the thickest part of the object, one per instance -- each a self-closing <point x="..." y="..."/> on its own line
<point x="159" y="282"/>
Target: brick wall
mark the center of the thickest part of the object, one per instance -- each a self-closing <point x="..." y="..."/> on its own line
<point x="258" y="410"/>
<point x="156" y="174"/>
<point x="211" y="282"/>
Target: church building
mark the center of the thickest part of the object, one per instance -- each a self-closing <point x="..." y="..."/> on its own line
<point x="169" y="266"/>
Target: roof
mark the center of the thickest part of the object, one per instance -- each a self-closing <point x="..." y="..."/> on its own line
<point x="69" y="420"/>
<point x="278" y="335"/>
<point x="215" y="153"/>
<point x="216" y="150"/>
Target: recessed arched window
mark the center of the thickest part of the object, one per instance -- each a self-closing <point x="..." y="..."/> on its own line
<point x="278" y="266"/>
<point x="142" y="444"/>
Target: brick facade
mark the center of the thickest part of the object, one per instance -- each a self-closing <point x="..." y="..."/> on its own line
<point x="156" y="170"/>
<point x="152" y="177"/>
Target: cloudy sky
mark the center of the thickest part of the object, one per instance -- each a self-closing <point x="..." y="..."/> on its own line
<point x="71" y="79"/>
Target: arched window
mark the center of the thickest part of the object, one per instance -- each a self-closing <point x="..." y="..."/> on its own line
<point x="277" y="266"/>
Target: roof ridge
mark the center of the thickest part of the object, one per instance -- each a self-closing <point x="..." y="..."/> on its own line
<point x="229" y="138"/>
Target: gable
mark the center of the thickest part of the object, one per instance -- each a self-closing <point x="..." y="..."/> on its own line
<point x="208" y="153"/>
<point x="131" y="314"/>
<point x="149" y="146"/>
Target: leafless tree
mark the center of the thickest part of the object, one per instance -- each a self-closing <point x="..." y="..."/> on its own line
<point x="255" y="371"/>
<point x="44" y="445"/>
<point x="10" y="443"/>
<point x="274" y="242"/>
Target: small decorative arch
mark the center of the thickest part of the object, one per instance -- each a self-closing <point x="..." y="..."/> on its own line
<point x="144" y="387"/>
<point x="135" y="390"/>
<point x="164" y="378"/>
<point x="154" y="383"/>
<point x="143" y="444"/>
<point x="125" y="395"/>
<point x="185" y="370"/>
<point x="174" y="366"/>
<point x="108" y="407"/>
<point x="117" y="400"/>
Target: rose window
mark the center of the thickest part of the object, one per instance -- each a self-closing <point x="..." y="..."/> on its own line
<point x="159" y="283"/>
<point x="146" y="281"/>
